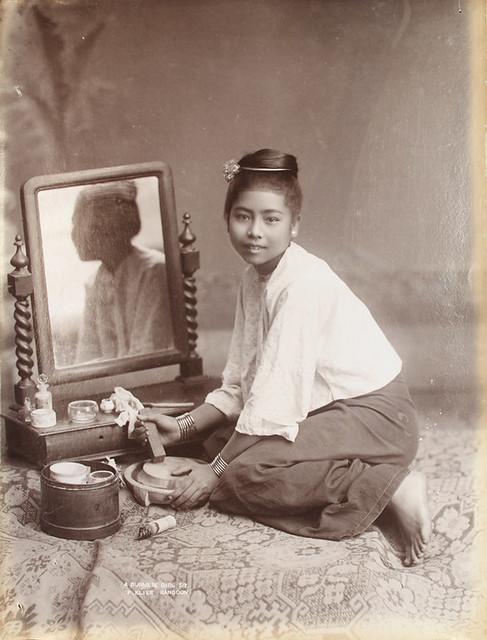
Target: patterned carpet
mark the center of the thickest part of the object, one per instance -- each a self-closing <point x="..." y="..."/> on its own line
<point x="218" y="576"/>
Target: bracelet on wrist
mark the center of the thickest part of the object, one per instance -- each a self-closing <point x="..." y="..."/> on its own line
<point x="218" y="465"/>
<point x="187" y="426"/>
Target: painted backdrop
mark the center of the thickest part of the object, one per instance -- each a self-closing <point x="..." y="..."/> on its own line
<point x="371" y="96"/>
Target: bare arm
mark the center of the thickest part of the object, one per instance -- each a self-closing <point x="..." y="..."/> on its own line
<point x="206" y="417"/>
<point x="238" y="443"/>
<point x="198" y="485"/>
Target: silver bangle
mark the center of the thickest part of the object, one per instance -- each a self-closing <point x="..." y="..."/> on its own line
<point x="187" y="426"/>
<point x="218" y="465"/>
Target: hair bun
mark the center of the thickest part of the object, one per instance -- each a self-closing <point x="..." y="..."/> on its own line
<point x="270" y="159"/>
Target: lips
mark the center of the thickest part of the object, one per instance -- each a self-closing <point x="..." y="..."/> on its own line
<point x="254" y="247"/>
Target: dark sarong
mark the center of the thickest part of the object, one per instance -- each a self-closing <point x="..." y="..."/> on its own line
<point x="337" y="477"/>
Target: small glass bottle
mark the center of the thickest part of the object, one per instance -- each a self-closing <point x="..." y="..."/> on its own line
<point x="26" y="410"/>
<point x="43" y="397"/>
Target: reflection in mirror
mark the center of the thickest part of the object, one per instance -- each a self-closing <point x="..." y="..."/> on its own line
<point x="107" y="285"/>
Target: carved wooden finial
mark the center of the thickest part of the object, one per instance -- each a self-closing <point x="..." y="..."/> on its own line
<point x="19" y="260"/>
<point x="187" y="237"/>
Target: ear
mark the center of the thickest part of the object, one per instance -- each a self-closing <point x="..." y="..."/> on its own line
<point x="295" y="227"/>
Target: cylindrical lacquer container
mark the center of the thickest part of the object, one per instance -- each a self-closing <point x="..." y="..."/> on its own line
<point x="86" y="511"/>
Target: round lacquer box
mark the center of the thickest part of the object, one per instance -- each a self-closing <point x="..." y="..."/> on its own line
<point x="83" y="506"/>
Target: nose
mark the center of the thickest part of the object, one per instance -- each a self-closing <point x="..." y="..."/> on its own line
<point x="254" y="230"/>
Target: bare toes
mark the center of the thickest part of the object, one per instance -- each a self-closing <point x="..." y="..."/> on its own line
<point x="419" y="556"/>
<point x="418" y="548"/>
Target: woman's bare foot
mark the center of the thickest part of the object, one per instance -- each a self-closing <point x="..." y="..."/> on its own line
<point x="410" y="506"/>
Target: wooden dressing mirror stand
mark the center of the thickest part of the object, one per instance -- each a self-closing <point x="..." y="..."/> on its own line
<point x="29" y="282"/>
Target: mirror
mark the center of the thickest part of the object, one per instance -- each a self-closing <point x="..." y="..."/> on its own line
<point x="105" y="263"/>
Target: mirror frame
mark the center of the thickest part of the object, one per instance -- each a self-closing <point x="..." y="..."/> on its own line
<point x="41" y="320"/>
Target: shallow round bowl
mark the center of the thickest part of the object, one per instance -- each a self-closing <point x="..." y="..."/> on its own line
<point x="82" y="411"/>
<point x="100" y="476"/>
<point x="69" y="472"/>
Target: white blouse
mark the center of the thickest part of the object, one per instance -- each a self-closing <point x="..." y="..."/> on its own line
<point x="301" y="339"/>
<point x="126" y="312"/>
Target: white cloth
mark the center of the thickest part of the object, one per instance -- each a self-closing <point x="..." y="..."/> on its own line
<point x="127" y="312"/>
<point x="128" y="405"/>
<point x="301" y="339"/>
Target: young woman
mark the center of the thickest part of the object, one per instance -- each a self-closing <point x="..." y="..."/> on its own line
<point x="313" y="427"/>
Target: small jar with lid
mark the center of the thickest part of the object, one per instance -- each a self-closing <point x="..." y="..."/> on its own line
<point x="43" y="397"/>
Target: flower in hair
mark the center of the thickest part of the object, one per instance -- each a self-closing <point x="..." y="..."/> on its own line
<point x="230" y="169"/>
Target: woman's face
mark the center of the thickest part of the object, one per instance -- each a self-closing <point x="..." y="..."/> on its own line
<point x="261" y="227"/>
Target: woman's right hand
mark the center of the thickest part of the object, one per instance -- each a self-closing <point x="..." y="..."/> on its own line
<point x="167" y="426"/>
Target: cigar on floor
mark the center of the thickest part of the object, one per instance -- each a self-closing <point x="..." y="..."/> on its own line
<point x="156" y="526"/>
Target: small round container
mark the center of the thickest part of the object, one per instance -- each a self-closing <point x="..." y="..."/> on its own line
<point x="82" y="411"/>
<point x="107" y="405"/>
<point x="80" y="512"/>
<point x="69" y="472"/>
<point x="43" y="418"/>
<point x="100" y="476"/>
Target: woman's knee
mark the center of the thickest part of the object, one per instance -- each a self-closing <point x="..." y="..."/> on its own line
<point x="410" y="438"/>
<point x="240" y="488"/>
<point x="242" y="472"/>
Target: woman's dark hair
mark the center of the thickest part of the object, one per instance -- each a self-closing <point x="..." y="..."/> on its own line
<point x="110" y="209"/>
<point x="267" y="170"/>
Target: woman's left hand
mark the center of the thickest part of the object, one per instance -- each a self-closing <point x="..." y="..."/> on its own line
<point x="196" y="489"/>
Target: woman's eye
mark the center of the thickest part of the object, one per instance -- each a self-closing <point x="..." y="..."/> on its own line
<point x="272" y="219"/>
<point x="241" y="216"/>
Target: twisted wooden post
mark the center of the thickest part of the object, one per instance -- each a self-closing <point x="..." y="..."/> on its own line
<point x="190" y="262"/>
<point x="20" y="286"/>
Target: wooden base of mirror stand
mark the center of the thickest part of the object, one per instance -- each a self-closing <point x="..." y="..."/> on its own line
<point x="99" y="439"/>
